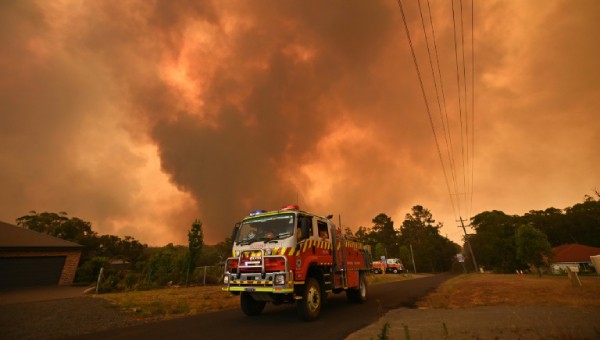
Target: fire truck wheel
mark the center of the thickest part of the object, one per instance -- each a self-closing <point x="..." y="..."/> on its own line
<point x="358" y="295"/>
<point x="395" y="271"/>
<point x="250" y="306"/>
<point x="310" y="304"/>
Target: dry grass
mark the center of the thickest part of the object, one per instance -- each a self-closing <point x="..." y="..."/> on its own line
<point x="182" y="301"/>
<point x="383" y="278"/>
<point x="518" y="290"/>
<point x="176" y="301"/>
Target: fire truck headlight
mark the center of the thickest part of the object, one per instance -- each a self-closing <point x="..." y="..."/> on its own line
<point x="269" y="251"/>
<point x="237" y="253"/>
<point x="280" y="279"/>
<point x="226" y="279"/>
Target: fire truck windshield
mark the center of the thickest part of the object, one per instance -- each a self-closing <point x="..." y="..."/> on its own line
<point x="266" y="228"/>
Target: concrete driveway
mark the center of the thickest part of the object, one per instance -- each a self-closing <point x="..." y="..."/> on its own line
<point x="34" y="294"/>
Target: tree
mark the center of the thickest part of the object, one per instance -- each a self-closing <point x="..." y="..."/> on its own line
<point x="57" y="224"/>
<point x="582" y="221"/>
<point x="362" y="235"/>
<point x="195" y="241"/>
<point x="380" y="251"/>
<point x="383" y="232"/>
<point x="431" y="250"/>
<point x="166" y="265"/>
<point x="551" y="222"/>
<point x="113" y="247"/>
<point x="532" y="246"/>
<point x="405" y="257"/>
<point x="494" y="241"/>
<point x="224" y="249"/>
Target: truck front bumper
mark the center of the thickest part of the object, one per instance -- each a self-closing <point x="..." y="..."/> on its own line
<point x="276" y="283"/>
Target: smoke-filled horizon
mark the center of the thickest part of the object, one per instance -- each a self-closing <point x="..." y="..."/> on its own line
<point x="141" y="116"/>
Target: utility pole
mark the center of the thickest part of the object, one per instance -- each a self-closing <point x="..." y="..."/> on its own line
<point x="413" y="258"/>
<point x="468" y="244"/>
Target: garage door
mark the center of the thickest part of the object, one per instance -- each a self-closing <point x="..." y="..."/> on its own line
<point x="30" y="271"/>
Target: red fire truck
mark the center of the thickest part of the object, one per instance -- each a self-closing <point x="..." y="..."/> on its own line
<point x="293" y="256"/>
<point x="388" y="266"/>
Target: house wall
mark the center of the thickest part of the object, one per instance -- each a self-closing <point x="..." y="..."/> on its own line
<point x="561" y="267"/>
<point x="69" y="269"/>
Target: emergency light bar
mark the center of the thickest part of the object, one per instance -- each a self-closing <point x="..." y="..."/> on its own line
<point x="291" y="207"/>
<point x="257" y="212"/>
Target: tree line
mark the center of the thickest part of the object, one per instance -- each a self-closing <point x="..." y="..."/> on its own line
<point x="502" y="243"/>
<point x="505" y="243"/>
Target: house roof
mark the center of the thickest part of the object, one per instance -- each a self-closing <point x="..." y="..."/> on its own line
<point x="14" y="237"/>
<point x="573" y="253"/>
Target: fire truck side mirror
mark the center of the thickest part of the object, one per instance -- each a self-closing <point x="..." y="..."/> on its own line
<point x="234" y="232"/>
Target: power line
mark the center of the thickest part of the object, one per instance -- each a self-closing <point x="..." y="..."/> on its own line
<point x="472" y="104"/>
<point x="438" y="102"/>
<point x="462" y="142"/>
<point x="467" y="132"/>
<point x="469" y="159"/>
<point x="424" y="97"/>
<point x="462" y="35"/>
<point x="447" y="125"/>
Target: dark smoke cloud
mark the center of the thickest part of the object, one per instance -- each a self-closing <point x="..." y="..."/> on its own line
<point x="257" y="104"/>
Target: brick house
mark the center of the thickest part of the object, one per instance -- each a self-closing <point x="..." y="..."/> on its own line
<point x="29" y="258"/>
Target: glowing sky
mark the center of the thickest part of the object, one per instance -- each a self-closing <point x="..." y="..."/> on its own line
<point x="141" y="116"/>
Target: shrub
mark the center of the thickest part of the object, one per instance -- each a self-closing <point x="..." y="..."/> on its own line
<point x="89" y="270"/>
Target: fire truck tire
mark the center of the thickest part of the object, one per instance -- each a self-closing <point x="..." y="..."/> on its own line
<point x="358" y="295"/>
<point x="309" y="306"/>
<point x="250" y="306"/>
<point x="395" y="271"/>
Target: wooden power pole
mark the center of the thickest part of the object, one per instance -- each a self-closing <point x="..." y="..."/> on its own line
<point x="469" y="244"/>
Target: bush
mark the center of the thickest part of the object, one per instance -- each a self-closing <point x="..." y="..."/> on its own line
<point x="132" y="280"/>
<point x="89" y="270"/>
<point x="110" y="283"/>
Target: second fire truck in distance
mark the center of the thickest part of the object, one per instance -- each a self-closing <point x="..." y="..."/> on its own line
<point x="292" y="256"/>
<point x="388" y="266"/>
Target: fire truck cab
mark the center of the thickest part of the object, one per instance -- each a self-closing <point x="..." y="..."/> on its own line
<point x="394" y="266"/>
<point x="292" y="256"/>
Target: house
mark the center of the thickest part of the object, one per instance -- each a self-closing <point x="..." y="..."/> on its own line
<point x="29" y="258"/>
<point x="572" y="255"/>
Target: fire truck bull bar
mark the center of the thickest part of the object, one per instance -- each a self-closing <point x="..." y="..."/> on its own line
<point x="279" y="282"/>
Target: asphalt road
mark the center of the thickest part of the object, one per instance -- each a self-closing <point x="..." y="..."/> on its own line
<point x="338" y="318"/>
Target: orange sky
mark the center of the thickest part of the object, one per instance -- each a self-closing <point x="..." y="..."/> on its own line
<point x="141" y="116"/>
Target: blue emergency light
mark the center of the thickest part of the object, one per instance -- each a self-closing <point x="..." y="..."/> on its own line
<point x="257" y="212"/>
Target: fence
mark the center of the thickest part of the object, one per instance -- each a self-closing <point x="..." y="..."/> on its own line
<point x="208" y="275"/>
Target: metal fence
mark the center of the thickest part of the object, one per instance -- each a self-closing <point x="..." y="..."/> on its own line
<point x="208" y="275"/>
